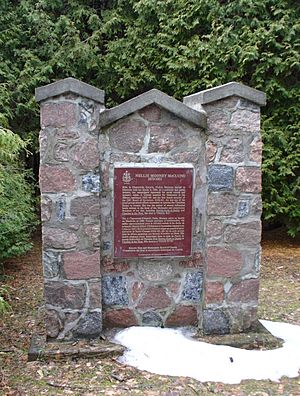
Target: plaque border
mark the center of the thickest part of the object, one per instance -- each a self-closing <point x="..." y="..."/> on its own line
<point x="119" y="165"/>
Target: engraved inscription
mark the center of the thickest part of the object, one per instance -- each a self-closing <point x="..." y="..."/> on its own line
<point x="153" y="211"/>
<point x="152" y="200"/>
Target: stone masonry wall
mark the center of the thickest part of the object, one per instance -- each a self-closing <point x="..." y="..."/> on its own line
<point x="86" y="288"/>
<point x="69" y="183"/>
<point x="233" y="228"/>
<point x="162" y="291"/>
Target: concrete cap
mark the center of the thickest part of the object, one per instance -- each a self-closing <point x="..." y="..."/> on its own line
<point x="69" y="85"/>
<point x="224" y="91"/>
<point x="154" y="96"/>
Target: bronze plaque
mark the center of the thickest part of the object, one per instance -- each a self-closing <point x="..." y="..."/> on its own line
<point x="152" y="211"/>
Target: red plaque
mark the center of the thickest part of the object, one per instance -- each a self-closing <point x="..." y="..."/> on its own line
<point x="152" y="212"/>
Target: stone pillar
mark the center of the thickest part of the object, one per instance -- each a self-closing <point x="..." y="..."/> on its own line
<point x="70" y="186"/>
<point x="233" y="210"/>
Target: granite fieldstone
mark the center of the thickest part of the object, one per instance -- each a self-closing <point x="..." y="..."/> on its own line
<point x="91" y="183"/>
<point x="243" y="208"/>
<point x="151" y="318"/>
<point x="85" y="155"/>
<point x="60" y="152"/>
<point x="119" y="318"/>
<point x="245" y="120"/>
<point x="95" y="294"/>
<point x="193" y="285"/>
<point x="214" y="230"/>
<point x="211" y="151"/>
<point x="248" y="179"/>
<point x="85" y="206"/>
<point x="223" y="262"/>
<point x="218" y="123"/>
<point x="151" y="113"/>
<point x="233" y="151"/>
<point x="59" y="239"/>
<point x="51" y="263"/>
<point x="82" y="265"/>
<point x="56" y="178"/>
<point x="63" y="114"/>
<point x="154" y="298"/>
<point x="215" y="322"/>
<point x="245" y="233"/>
<point x="60" y="207"/>
<point x="221" y="204"/>
<point x="65" y="295"/>
<point x="137" y="289"/>
<point x="244" y="291"/>
<point x="163" y="138"/>
<point x="155" y="271"/>
<point x="127" y="136"/>
<point x="256" y="150"/>
<point x="53" y="323"/>
<point x="220" y="178"/>
<point x="214" y="292"/>
<point x="183" y="315"/>
<point x="114" y="290"/>
<point x="90" y="326"/>
<point x="110" y="265"/>
<point x="46" y="208"/>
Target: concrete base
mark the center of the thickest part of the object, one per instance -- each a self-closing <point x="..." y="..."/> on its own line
<point x="257" y="337"/>
<point x="40" y="349"/>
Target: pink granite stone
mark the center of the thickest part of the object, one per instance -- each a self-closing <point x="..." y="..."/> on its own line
<point x="183" y="315"/>
<point x="81" y="265"/>
<point x="56" y="178"/>
<point x="223" y="262"/>
<point x="154" y="298"/>
<point x="248" y="179"/>
<point x="59" y="114"/>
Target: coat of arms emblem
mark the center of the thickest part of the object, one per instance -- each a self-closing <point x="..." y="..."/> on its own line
<point x="126" y="177"/>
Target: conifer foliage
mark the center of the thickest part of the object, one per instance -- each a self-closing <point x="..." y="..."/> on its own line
<point x="129" y="46"/>
<point x="17" y="214"/>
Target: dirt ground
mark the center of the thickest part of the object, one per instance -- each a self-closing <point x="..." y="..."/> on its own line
<point x="279" y="301"/>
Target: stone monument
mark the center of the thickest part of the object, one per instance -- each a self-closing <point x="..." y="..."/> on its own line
<point x="150" y="210"/>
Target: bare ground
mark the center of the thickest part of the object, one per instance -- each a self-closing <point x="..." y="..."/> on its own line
<point x="279" y="300"/>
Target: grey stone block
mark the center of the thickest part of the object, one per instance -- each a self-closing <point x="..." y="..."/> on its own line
<point x="246" y="104"/>
<point x="51" y="263"/>
<point x="114" y="289"/>
<point x="193" y="286"/>
<point x="243" y="209"/>
<point x="86" y="111"/>
<point x="151" y="318"/>
<point x="224" y="91"/>
<point x="91" y="183"/>
<point x="257" y="260"/>
<point x="69" y="85"/>
<point x="220" y="178"/>
<point x="106" y="245"/>
<point x="60" y="208"/>
<point x="215" y="322"/>
<point x="154" y="96"/>
<point x="90" y="326"/>
<point x="155" y="271"/>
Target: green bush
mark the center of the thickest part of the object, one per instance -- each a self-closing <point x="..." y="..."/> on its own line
<point x="4" y="295"/>
<point x="17" y="212"/>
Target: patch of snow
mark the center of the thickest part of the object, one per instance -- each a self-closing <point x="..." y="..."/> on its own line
<point x="173" y="352"/>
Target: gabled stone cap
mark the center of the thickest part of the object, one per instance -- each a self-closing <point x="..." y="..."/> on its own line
<point x="224" y="91"/>
<point x="69" y="85"/>
<point x="154" y="96"/>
